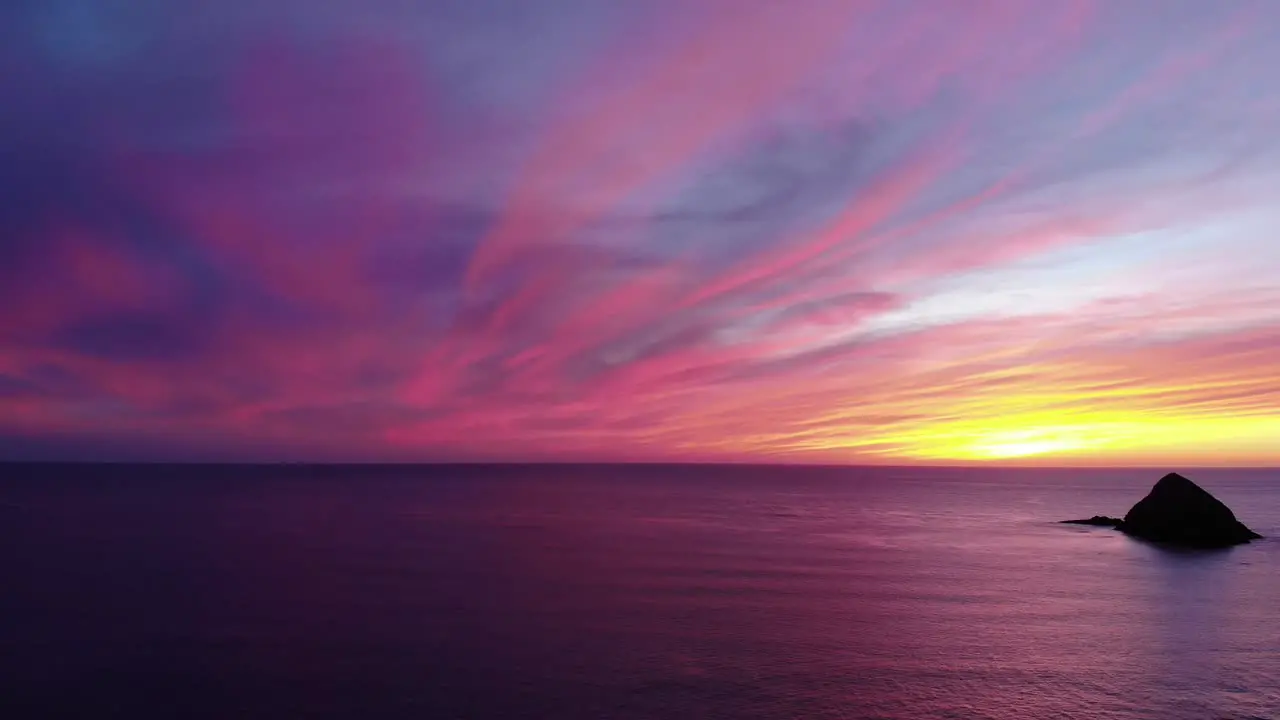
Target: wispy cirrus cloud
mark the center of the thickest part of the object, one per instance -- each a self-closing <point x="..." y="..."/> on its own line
<point x="840" y="230"/>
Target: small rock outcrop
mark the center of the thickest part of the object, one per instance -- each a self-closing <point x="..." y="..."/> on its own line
<point x="1179" y="512"/>
<point x="1099" y="520"/>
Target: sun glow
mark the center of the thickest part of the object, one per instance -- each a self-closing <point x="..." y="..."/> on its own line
<point x="1008" y="437"/>
<point x="1096" y="437"/>
<point x="1013" y="448"/>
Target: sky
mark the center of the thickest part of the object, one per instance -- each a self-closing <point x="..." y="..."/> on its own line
<point x="835" y="231"/>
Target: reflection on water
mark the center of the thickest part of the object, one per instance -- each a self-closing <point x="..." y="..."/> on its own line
<point x="626" y="593"/>
<point x="1201" y="610"/>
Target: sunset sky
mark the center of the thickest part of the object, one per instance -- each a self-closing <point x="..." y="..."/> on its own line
<point x="748" y="230"/>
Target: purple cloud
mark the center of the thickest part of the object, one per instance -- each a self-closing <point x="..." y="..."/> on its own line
<point x="836" y="230"/>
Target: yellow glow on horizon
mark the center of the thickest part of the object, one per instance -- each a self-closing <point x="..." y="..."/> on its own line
<point x="1026" y="444"/>
<point x="1015" y="436"/>
<point x="1082" y="437"/>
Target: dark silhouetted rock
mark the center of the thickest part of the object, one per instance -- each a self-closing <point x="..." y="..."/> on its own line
<point x="1179" y="512"/>
<point x="1099" y="520"/>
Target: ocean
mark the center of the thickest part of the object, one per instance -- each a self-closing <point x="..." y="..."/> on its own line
<point x="624" y="592"/>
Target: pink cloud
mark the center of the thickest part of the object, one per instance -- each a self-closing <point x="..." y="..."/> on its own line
<point x="661" y="276"/>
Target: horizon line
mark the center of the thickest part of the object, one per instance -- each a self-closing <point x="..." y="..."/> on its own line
<point x="625" y="463"/>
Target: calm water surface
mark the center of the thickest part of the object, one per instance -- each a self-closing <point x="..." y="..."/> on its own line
<point x="606" y="592"/>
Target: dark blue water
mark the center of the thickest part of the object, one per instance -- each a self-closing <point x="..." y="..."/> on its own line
<point x="642" y="592"/>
